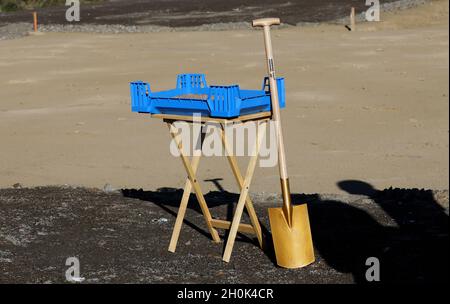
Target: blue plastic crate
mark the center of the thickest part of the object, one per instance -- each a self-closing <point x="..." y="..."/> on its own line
<point x="193" y="95"/>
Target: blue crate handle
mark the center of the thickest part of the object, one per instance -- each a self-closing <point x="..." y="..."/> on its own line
<point x="187" y="82"/>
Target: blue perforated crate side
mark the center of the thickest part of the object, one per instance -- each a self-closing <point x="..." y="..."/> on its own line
<point x="281" y="92"/>
<point x="176" y="106"/>
<point x="224" y="101"/>
<point x="190" y="82"/>
<point x="280" y="87"/>
<point x="140" y="101"/>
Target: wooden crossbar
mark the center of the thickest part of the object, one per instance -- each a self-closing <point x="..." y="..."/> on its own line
<point x="221" y="224"/>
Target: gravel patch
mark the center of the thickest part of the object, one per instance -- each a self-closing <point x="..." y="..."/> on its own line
<point x="15" y="30"/>
<point x="18" y="30"/>
<point x="122" y="237"/>
<point x="386" y="7"/>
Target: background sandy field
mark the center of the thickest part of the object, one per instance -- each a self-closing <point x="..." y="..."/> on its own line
<point x="370" y="105"/>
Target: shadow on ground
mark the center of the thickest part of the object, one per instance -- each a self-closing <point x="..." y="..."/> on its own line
<point x="405" y="229"/>
<point x="122" y="237"/>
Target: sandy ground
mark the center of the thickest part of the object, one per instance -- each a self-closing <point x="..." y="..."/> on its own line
<point x="370" y="105"/>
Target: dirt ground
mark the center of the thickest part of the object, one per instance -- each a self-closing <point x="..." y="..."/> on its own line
<point x="176" y="13"/>
<point x="122" y="237"/>
<point x="369" y="105"/>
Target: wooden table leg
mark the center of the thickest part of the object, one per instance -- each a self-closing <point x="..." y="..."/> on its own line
<point x="243" y="195"/>
<point x="193" y="180"/>
<point x="183" y="205"/>
<point x="240" y="181"/>
<point x="184" y="201"/>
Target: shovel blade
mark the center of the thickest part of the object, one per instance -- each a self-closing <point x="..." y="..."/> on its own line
<point x="293" y="245"/>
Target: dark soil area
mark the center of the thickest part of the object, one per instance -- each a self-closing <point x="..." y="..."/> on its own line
<point x="122" y="237"/>
<point x="181" y="13"/>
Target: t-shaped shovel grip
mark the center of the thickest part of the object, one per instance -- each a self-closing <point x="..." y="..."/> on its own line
<point x="266" y="22"/>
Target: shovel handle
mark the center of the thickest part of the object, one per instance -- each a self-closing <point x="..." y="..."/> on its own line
<point x="276" y="117"/>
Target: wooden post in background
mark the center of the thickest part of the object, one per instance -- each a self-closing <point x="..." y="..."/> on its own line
<point x="35" y="22"/>
<point x="352" y="20"/>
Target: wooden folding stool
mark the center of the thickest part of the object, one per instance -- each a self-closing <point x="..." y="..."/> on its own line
<point x="243" y="182"/>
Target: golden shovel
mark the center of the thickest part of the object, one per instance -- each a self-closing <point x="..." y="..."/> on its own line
<point x="290" y="228"/>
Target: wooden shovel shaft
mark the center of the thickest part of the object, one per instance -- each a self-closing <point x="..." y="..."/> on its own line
<point x="275" y="102"/>
<point x="276" y="117"/>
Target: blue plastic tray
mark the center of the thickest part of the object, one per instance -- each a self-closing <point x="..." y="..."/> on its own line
<point x="193" y="95"/>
